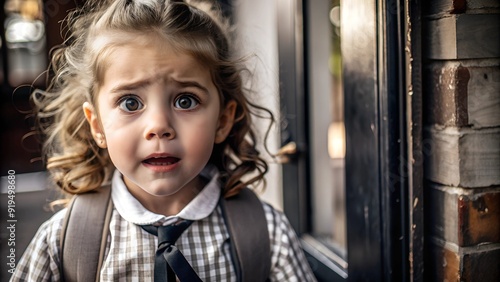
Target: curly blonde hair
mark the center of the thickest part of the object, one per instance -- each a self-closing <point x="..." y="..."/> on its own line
<point x="74" y="160"/>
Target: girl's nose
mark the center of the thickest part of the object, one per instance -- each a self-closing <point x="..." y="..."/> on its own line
<point x="158" y="126"/>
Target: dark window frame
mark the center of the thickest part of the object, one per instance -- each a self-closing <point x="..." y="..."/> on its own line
<point x="384" y="218"/>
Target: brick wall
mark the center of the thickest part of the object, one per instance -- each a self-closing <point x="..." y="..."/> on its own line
<point x="461" y="78"/>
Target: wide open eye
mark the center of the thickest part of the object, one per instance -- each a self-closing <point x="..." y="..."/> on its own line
<point x="131" y="104"/>
<point x="186" y="102"/>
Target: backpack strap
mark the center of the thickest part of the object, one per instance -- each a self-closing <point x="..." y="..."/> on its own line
<point x="87" y="222"/>
<point x="90" y="214"/>
<point x="247" y="227"/>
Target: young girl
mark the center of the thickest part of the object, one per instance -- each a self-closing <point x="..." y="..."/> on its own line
<point x="146" y="95"/>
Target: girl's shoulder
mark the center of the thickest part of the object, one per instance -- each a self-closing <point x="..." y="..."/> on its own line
<point x="271" y="212"/>
<point x="277" y="222"/>
<point x="49" y="233"/>
<point x="287" y="257"/>
<point x="50" y="230"/>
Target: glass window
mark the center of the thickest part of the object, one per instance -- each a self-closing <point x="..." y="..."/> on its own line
<point x="327" y="127"/>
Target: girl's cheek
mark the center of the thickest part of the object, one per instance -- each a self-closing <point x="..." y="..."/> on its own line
<point x="111" y="116"/>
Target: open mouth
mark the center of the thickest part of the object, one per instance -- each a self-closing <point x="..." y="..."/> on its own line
<point x="161" y="161"/>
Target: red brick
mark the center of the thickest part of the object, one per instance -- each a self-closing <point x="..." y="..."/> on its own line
<point x="441" y="263"/>
<point x="444" y="7"/>
<point x="480" y="218"/>
<point x="465" y="217"/>
<point x="482" y="264"/>
<point x="446" y="94"/>
<point x="447" y="262"/>
<point x="465" y="93"/>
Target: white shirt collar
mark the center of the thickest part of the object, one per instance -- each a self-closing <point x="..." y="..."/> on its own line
<point x="133" y="211"/>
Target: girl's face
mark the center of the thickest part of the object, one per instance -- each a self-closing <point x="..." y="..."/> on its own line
<point x="159" y="116"/>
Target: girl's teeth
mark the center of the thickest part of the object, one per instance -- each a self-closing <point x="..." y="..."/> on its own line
<point x="162" y="161"/>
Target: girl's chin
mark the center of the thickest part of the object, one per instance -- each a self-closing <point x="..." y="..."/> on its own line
<point x="162" y="192"/>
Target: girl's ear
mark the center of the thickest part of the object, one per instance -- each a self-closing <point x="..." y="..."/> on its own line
<point x="226" y="121"/>
<point x="95" y="126"/>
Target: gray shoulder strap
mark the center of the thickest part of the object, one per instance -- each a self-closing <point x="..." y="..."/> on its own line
<point x="247" y="226"/>
<point x="84" y="235"/>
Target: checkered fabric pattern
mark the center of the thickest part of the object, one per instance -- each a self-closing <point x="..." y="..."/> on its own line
<point x="131" y="251"/>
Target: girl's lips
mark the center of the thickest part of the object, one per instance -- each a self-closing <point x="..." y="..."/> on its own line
<point x="161" y="164"/>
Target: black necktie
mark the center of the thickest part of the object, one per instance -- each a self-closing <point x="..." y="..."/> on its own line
<point x="169" y="261"/>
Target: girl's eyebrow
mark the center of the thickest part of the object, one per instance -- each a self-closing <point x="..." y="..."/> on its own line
<point x="127" y="86"/>
<point x="192" y="83"/>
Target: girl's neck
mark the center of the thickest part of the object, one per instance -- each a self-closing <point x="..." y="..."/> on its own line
<point x="172" y="204"/>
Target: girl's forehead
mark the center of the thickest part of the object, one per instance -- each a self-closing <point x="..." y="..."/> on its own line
<point x="154" y="59"/>
<point x="108" y="45"/>
<point x="112" y="39"/>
